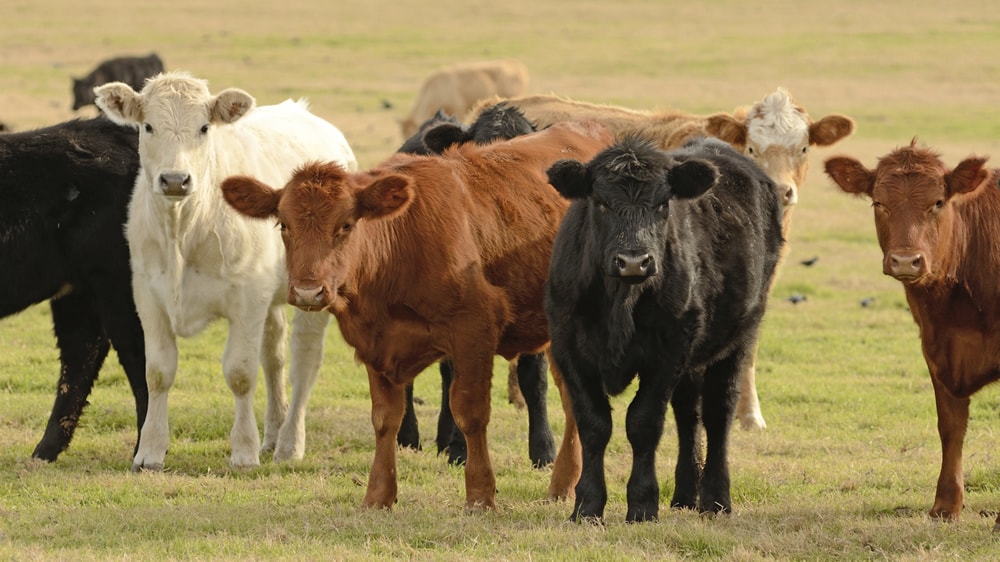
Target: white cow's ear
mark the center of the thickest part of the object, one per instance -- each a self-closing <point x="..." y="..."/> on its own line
<point x="230" y="105"/>
<point x="120" y="103"/>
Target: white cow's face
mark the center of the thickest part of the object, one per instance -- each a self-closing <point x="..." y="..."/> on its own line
<point x="175" y="115"/>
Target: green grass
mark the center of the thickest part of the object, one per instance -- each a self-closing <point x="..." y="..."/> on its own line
<point x="848" y="464"/>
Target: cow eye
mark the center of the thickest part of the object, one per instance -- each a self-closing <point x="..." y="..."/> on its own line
<point x="281" y="226"/>
<point x="938" y="205"/>
<point x="876" y="204"/>
<point x="662" y="208"/>
<point x="805" y="149"/>
<point x="347" y="227"/>
<point x="149" y="128"/>
<point x="204" y="129"/>
<point x="750" y="150"/>
<point x="601" y="206"/>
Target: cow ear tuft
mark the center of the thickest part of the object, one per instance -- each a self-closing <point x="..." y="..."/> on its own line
<point x="251" y="197"/>
<point x="850" y="175"/>
<point x="119" y="103"/>
<point x="230" y="105"/>
<point x="571" y="178"/>
<point x="386" y="197"/>
<point x="440" y="137"/>
<point x="692" y="178"/>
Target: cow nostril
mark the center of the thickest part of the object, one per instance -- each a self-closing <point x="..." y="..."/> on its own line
<point x="619" y="263"/>
<point x="646" y="262"/>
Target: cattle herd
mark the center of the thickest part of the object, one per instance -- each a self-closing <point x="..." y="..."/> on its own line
<point x="606" y="245"/>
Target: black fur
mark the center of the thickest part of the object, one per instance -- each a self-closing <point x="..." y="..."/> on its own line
<point x="130" y="70"/>
<point x="65" y="190"/>
<point x="660" y="271"/>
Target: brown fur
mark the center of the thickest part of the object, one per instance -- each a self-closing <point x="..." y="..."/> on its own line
<point x="951" y="254"/>
<point x="456" y="88"/>
<point x="441" y="256"/>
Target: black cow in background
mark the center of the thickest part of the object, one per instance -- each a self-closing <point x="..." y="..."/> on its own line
<point x="660" y="271"/>
<point x="131" y="70"/>
<point x="64" y="192"/>
<point x="434" y="136"/>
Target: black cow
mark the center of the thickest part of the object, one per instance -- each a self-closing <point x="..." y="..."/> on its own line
<point x="433" y="137"/>
<point x="130" y="70"/>
<point x="65" y="190"/>
<point x="660" y="270"/>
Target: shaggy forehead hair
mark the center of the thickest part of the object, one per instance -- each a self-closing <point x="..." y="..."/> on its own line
<point x="175" y="86"/>
<point x="635" y="158"/>
<point x="777" y="119"/>
<point x="911" y="159"/>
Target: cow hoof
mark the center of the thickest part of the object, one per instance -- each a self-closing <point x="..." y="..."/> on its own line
<point x="753" y="422"/>
<point x="151" y="467"/>
<point x="480" y="507"/>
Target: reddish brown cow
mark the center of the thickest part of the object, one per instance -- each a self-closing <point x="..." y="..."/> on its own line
<point x="938" y="231"/>
<point x="421" y="258"/>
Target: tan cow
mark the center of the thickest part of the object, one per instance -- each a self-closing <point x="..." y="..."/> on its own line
<point x="776" y="132"/>
<point x="455" y="89"/>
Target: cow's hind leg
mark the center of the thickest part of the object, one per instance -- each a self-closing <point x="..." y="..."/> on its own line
<point x="308" y="335"/>
<point x="532" y="378"/>
<point x="272" y="359"/>
<point x="409" y="431"/>
<point x="748" y="404"/>
<point x="449" y="437"/>
<point x="566" y="467"/>
<point x="82" y="349"/>
<point x="644" y="428"/>
<point x="388" y="402"/>
<point x="125" y="331"/>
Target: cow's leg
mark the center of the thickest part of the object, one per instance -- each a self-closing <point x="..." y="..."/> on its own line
<point x="748" y="405"/>
<point x="686" y="402"/>
<point x="161" y="369"/>
<point x="272" y="360"/>
<point x="388" y="402"/>
<point x="592" y="412"/>
<point x="470" y="405"/>
<point x="566" y="468"/>
<point x="125" y="331"/>
<point x="82" y="349"/>
<point x="514" y="394"/>
<point x="953" y="419"/>
<point x="239" y="365"/>
<point x="449" y="437"/>
<point x="644" y="428"/>
<point x="532" y="378"/>
<point x="409" y="431"/>
<point x="718" y="405"/>
<point x="308" y="335"/>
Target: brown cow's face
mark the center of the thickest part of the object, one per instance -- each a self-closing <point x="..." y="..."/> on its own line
<point x="913" y="198"/>
<point x="322" y="214"/>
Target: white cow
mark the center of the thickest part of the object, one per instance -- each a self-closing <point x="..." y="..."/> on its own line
<point x="195" y="260"/>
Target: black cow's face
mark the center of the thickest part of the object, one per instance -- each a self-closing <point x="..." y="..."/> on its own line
<point x="628" y="189"/>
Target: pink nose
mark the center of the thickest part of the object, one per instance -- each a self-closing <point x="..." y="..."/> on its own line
<point x="905" y="266"/>
<point x="306" y="296"/>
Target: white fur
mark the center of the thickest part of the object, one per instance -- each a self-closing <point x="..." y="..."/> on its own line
<point x="195" y="260"/>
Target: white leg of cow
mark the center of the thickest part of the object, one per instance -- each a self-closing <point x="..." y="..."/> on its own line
<point x="239" y="364"/>
<point x="748" y="404"/>
<point x="308" y="334"/>
<point x="161" y="369"/>
<point x="272" y="359"/>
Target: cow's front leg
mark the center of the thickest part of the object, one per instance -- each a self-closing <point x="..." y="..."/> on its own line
<point x="644" y="428"/>
<point x="239" y="365"/>
<point x="388" y="405"/>
<point x="470" y="406"/>
<point x="161" y="369"/>
<point x="308" y="334"/>
<point x="953" y="419"/>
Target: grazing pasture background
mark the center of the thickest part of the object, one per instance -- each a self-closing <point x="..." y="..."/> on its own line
<point x="848" y="464"/>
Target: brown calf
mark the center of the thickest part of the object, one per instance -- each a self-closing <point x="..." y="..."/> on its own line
<point x="938" y="231"/>
<point x="421" y="258"/>
<point x="776" y="132"/>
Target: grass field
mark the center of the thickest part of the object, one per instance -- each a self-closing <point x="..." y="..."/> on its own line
<point x="847" y="466"/>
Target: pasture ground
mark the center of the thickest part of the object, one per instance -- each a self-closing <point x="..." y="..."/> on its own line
<point x="848" y="464"/>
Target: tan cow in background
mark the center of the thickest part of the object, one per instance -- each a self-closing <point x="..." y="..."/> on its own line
<point x="776" y="132"/>
<point x="456" y="89"/>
